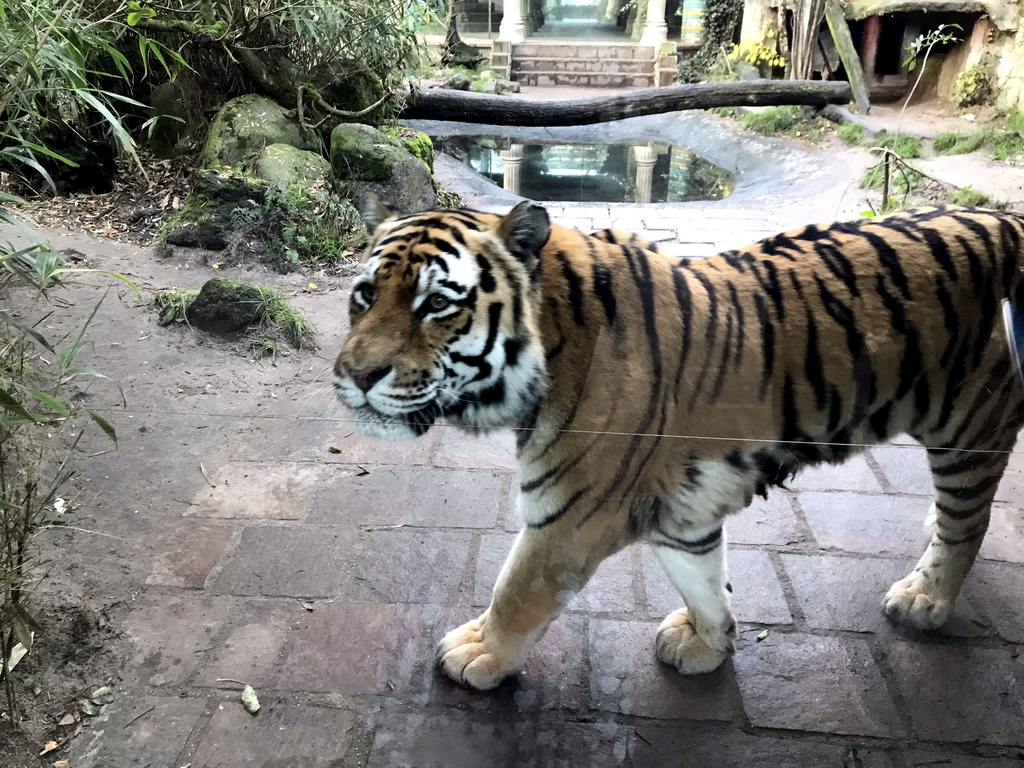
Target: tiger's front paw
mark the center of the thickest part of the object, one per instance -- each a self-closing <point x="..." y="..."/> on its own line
<point x="915" y="600"/>
<point x="468" y="656"/>
<point x="680" y="645"/>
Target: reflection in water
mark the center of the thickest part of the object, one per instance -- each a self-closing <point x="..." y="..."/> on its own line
<point x="619" y="173"/>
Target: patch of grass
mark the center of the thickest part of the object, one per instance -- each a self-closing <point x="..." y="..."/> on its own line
<point x="968" y="196"/>
<point x="1008" y="145"/>
<point x="281" y="319"/>
<point x="723" y="111"/>
<point x="901" y="178"/>
<point x="173" y="302"/>
<point x="773" y="119"/>
<point x="278" y="321"/>
<point x="905" y="146"/>
<point x="851" y="133"/>
<point x="1015" y="122"/>
<point x="962" y="143"/>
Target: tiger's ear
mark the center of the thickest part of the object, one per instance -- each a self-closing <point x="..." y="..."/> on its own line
<point x="524" y="231"/>
<point x="375" y="211"/>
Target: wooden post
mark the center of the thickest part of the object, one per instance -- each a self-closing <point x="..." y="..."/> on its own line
<point x="840" y="30"/>
<point x="869" y="53"/>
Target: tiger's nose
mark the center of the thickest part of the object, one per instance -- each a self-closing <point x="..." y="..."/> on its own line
<point x="365" y="378"/>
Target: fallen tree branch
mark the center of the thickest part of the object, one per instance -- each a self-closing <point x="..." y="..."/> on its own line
<point x="468" y="107"/>
<point x="346" y="113"/>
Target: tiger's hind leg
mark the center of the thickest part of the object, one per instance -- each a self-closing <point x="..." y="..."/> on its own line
<point x="965" y="484"/>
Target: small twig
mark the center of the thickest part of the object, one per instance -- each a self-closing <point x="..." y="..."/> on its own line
<point x="231" y="680"/>
<point x="139" y="716"/>
<point x="206" y="477"/>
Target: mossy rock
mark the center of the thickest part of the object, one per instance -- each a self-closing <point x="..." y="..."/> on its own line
<point x="244" y="127"/>
<point x="366" y="160"/>
<point x="285" y="165"/>
<point x="204" y="219"/>
<point x="225" y="307"/>
<point x="362" y="153"/>
<point x="416" y="142"/>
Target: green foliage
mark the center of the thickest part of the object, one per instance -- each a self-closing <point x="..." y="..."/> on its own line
<point x="972" y="86"/>
<point x="851" y="133"/>
<point x="1008" y="145"/>
<point x="721" y="19"/>
<point x="59" y="59"/>
<point x="297" y="225"/>
<point x="941" y="35"/>
<point x="902" y="178"/>
<point x="904" y="146"/>
<point x="968" y="196"/>
<point x="1015" y="122"/>
<point x="172" y="304"/>
<point x="36" y="402"/>
<point x="773" y="119"/>
<point x="278" y="320"/>
<point x="962" y="143"/>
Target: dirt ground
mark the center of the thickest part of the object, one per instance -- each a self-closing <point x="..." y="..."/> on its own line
<point x="80" y="607"/>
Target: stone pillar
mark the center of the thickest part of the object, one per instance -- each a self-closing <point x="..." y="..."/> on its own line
<point x="645" y="159"/>
<point x="655" y="28"/>
<point x="512" y="27"/>
<point x="512" y="160"/>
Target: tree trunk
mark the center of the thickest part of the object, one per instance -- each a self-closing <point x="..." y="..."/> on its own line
<point x="467" y="107"/>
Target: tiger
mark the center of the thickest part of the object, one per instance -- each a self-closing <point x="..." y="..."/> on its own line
<point x="653" y="396"/>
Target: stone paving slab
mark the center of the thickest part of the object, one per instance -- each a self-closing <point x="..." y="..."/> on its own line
<point x="811" y="683"/>
<point x="259" y="538"/>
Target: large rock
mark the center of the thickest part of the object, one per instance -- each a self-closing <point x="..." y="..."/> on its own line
<point x="226" y="306"/>
<point x="244" y="126"/>
<point x="366" y="160"/>
<point x="284" y="165"/>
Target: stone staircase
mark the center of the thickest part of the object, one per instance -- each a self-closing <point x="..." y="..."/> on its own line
<point x="603" y="65"/>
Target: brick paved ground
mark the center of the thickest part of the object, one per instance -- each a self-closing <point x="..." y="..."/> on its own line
<point x="325" y="578"/>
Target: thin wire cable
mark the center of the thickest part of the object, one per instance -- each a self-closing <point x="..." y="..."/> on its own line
<point x="551" y="430"/>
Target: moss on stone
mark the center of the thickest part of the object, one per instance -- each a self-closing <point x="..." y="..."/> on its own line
<point x="244" y="127"/>
<point x="362" y="153"/>
<point x="417" y="143"/>
<point x="285" y="165"/>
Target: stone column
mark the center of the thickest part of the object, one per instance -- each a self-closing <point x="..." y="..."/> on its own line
<point x="645" y="159"/>
<point x="655" y="28"/>
<point x="512" y="160"/>
<point x="512" y="28"/>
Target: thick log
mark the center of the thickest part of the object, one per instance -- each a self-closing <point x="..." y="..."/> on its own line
<point x="468" y="107"/>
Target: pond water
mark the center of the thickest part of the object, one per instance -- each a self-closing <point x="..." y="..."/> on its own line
<point x="649" y="172"/>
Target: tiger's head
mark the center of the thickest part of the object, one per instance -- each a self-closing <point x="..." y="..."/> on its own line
<point x="444" y="321"/>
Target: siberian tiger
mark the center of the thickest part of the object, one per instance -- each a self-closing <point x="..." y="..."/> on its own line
<point x="653" y="396"/>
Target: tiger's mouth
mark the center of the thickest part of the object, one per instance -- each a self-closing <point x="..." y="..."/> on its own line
<point x="401" y="426"/>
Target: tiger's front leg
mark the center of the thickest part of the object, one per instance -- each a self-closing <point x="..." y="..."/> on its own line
<point x="698" y="638"/>
<point x="545" y="569"/>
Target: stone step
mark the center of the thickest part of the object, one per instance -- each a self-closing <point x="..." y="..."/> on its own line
<point x="562" y="49"/>
<point x="584" y="79"/>
<point x="591" y="66"/>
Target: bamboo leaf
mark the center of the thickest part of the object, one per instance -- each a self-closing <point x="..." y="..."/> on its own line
<point x="7" y="317"/>
<point x="103" y="424"/>
<point x="50" y="401"/>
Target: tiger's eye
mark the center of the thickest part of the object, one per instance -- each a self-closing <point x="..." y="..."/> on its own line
<point x="437" y="302"/>
<point x="366" y="293"/>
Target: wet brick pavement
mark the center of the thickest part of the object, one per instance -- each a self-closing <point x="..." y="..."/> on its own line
<point x="323" y="567"/>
